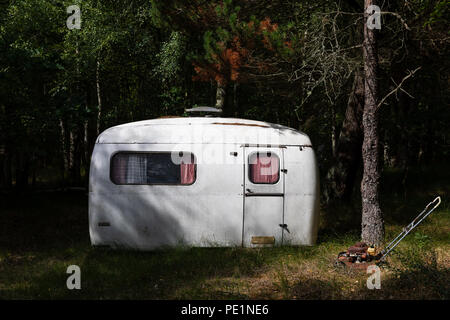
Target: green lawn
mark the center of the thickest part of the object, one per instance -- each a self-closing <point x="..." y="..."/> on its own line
<point x="43" y="233"/>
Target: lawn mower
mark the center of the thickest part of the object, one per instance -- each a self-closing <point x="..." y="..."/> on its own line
<point x="360" y="255"/>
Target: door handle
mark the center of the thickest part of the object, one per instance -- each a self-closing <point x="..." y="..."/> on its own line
<point x="249" y="191"/>
<point x="284" y="226"/>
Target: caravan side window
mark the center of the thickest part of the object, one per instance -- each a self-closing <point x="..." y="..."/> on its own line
<point x="139" y="168"/>
<point x="264" y="168"/>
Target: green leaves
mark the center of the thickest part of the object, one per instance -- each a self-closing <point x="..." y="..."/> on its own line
<point x="170" y="58"/>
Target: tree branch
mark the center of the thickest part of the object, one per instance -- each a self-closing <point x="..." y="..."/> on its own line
<point x="398" y="17"/>
<point x="411" y="73"/>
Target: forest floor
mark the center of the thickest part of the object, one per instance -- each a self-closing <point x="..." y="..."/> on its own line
<point x="41" y="234"/>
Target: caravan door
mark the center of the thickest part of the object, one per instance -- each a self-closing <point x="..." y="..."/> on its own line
<point x="263" y="196"/>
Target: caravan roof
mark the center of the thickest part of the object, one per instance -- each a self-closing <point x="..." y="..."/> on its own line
<point x="203" y="130"/>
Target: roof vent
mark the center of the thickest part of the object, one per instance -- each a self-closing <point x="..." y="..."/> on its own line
<point x="207" y="111"/>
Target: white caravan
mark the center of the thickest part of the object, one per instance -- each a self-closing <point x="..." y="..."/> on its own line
<point x="202" y="182"/>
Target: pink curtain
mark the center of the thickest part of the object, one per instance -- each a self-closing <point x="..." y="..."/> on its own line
<point x="264" y="169"/>
<point x="187" y="173"/>
<point x="119" y="169"/>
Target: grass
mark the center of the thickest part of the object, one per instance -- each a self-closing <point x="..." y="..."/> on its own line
<point x="42" y="234"/>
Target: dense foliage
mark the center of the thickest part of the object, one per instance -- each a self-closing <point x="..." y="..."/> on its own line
<point x="290" y="62"/>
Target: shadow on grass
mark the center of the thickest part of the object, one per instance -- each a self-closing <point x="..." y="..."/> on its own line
<point x="182" y="271"/>
<point x="43" y="222"/>
<point x="314" y="289"/>
<point x="423" y="283"/>
<point x="42" y="234"/>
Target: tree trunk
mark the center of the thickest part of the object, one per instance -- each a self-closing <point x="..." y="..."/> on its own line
<point x="86" y="152"/>
<point x="341" y="176"/>
<point x="387" y="161"/>
<point x="86" y="145"/>
<point x="235" y="101"/>
<point x="99" y="97"/>
<point x="333" y="131"/>
<point x="64" y="145"/>
<point x="8" y="169"/>
<point x="213" y="93"/>
<point x="2" y="167"/>
<point x="71" y="150"/>
<point x="34" y="166"/>
<point x="74" y="157"/>
<point x="372" y="221"/>
<point x="64" y="151"/>
<point x="221" y="94"/>
<point x="22" y="170"/>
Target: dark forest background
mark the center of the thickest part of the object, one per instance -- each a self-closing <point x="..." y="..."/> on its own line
<point x="297" y="63"/>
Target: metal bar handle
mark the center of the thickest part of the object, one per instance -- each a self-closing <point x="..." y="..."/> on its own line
<point x="425" y="213"/>
<point x="439" y="202"/>
<point x="411" y="224"/>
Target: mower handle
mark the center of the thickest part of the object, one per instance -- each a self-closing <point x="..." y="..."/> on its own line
<point x="425" y="213"/>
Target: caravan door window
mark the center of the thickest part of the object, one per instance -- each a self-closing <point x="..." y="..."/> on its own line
<point x="141" y="168"/>
<point x="264" y="168"/>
